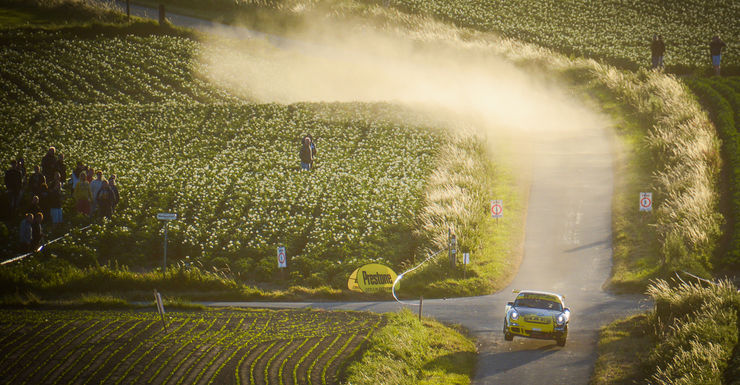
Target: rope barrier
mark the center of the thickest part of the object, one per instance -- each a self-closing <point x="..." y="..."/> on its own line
<point x="22" y="256"/>
<point x="393" y="289"/>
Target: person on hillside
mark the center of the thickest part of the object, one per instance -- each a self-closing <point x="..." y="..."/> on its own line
<point x="90" y="173"/>
<point x="61" y="168"/>
<point x="44" y="200"/>
<point x="35" y="205"/>
<point x="114" y="189"/>
<point x="55" y="203"/>
<point x="76" y="173"/>
<point x="14" y="184"/>
<point x="37" y="232"/>
<point x="82" y="195"/>
<point x="715" y="50"/>
<point x="307" y="153"/>
<point x="657" y="49"/>
<point x="26" y="233"/>
<point x="95" y="186"/>
<point x="104" y="200"/>
<point x="49" y="163"/>
<point x="35" y="181"/>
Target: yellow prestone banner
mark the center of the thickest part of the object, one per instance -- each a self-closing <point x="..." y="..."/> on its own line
<point x="371" y="278"/>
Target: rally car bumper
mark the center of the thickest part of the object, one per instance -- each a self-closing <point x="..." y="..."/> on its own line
<point x="558" y="333"/>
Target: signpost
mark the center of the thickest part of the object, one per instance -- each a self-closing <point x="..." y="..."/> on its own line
<point x="646" y="201"/>
<point x="466" y="261"/>
<point x="167" y="217"/>
<point x="282" y="261"/>
<point x="497" y="209"/>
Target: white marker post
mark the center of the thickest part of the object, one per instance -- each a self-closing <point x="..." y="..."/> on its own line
<point x="160" y="308"/>
<point x="466" y="261"/>
<point x="646" y="201"/>
<point x="167" y="217"/>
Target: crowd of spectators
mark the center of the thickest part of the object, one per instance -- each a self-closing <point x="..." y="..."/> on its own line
<point x="46" y="191"/>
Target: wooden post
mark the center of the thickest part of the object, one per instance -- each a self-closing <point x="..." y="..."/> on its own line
<point x="128" y="10"/>
<point x="162" y="16"/>
<point x="421" y="305"/>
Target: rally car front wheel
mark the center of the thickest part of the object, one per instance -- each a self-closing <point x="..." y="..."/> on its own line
<point x="507" y="336"/>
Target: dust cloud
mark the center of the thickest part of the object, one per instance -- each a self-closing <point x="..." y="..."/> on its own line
<point x="459" y="80"/>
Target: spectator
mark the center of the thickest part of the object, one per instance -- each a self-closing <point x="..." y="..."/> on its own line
<point x="116" y="195"/>
<point x="35" y="206"/>
<point x="82" y="195"/>
<point x="37" y="234"/>
<point x="44" y="199"/>
<point x="95" y="186"/>
<point x="14" y="183"/>
<point x="657" y="48"/>
<point x="715" y="49"/>
<point x="49" y="163"/>
<point x="104" y="200"/>
<point x="26" y="233"/>
<point x="61" y="168"/>
<point x="76" y="173"/>
<point x="55" y="203"/>
<point x="307" y="153"/>
<point x="90" y="173"/>
<point x="36" y="180"/>
<point x="21" y="166"/>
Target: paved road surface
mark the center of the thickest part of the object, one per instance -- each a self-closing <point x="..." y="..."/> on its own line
<point x="567" y="250"/>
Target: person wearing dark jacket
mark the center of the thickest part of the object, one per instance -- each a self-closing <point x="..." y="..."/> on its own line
<point x="36" y="180"/>
<point x="657" y="49"/>
<point x="49" y="163"/>
<point x="26" y="233"/>
<point x="55" y="203"/>
<point x="307" y="153"/>
<point x="715" y="49"/>
<point x="61" y="168"/>
<point x="104" y="200"/>
<point x="37" y="232"/>
<point x="14" y="184"/>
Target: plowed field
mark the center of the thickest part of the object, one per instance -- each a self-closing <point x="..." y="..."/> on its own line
<point x="226" y="347"/>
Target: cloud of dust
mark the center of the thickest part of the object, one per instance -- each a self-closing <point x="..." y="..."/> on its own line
<point x="347" y="63"/>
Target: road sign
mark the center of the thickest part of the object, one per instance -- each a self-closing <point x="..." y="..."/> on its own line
<point x="282" y="261"/>
<point x="646" y="201"/>
<point x="466" y="258"/>
<point x="166" y="216"/>
<point x="497" y="208"/>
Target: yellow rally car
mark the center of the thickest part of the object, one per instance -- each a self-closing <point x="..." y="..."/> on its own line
<point x="537" y="314"/>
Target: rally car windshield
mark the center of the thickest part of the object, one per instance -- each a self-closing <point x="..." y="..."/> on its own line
<point x="538" y="304"/>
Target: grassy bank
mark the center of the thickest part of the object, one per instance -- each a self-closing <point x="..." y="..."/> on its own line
<point x="690" y="337"/>
<point x="409" y="351"/>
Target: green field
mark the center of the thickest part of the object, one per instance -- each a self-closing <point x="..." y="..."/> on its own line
<point x="237" y="347"/>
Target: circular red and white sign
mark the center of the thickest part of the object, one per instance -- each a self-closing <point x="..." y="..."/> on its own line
<point x="496" y="209"/>
<point x="281" y="256"/>
<point x="645" y="202"/>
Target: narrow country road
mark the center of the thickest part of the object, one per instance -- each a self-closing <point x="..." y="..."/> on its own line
<point x="567" y="250"/>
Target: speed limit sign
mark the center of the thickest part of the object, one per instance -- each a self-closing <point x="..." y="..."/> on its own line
<point x="497" y="208"/>
<point x="282" y="262"/>
<point x="646" y="201"/>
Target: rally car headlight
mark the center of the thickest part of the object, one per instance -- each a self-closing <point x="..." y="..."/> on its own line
<point x="561" y="319"/>
<point x="514" y="314"/>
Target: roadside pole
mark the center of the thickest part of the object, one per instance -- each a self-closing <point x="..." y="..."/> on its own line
<point x="160" y="308"/>
<point x="421" y="305"/>
<point x="166" y="217"/>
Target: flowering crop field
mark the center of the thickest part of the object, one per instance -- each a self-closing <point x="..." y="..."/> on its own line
<point x="222" y="347"/>
<point x="230" y="170"/>
<point x="616" y="30"/>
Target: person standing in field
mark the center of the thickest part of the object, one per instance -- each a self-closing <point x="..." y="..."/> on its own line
<point x="14" y="184"/>
<point x="49" y="163"/>
<point x="82" y="195"/>
<point x="61" y="168"/>
<point x="55" y="203"/>
<point x="104" y="200"/>
<point x="114" y="189"/>
<point x="95" y="186"/>
<point x="657" y="49"/>
<point x="307" y="153"/>
<point x="37" y="232"/>
<point x="715" y="49"/>
<point x="26" y="233"/>
<point x="36" y="180"/>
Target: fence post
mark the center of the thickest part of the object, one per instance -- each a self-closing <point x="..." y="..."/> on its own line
<point x="421" y="305"/>
<point x="162" y="16"/>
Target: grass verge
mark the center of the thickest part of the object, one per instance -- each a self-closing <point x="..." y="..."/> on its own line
<point x="409" y="351"/>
